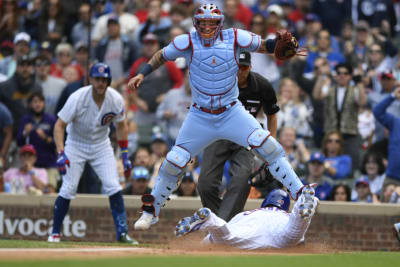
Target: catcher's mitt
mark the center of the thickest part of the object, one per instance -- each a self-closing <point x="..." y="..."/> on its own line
<point x="285" y="45"/>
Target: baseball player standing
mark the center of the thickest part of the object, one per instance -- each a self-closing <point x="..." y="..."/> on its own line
<point x="87" y="115"/>
<point x="270" y="226"/>
<point x="255" y="92"/>
<point x="212" y="55"/>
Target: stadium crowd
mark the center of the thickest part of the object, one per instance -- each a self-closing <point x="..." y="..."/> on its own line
<point x="339" y="118"/>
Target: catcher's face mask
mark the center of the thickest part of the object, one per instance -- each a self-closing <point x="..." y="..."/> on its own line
<point x="208" y="21"/>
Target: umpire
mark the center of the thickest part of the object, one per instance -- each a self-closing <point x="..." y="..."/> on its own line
<point x="255" y="92"/>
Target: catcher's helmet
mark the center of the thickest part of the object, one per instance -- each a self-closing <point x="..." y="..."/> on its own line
<point x="211" y="13"/>
<point x="100" y="70"/>
<point x="277" y="198"/>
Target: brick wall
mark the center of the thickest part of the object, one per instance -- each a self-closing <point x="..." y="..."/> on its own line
<point x="342" y="230"/>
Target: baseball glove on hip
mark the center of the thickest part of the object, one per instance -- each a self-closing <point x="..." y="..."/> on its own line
<point x="285" y="45"/>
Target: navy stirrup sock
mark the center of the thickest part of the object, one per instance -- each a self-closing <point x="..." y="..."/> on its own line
<point x="61" y="207"/>
<point x="118" y="212"/>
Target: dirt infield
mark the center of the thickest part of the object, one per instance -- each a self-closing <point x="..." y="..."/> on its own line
<point x="187" y="246"/>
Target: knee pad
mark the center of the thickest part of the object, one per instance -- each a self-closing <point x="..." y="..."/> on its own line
<point x="176" y="161"/>
<point x="266" y="145"/>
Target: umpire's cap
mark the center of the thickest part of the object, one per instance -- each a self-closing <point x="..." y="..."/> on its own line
<point x="100" y="70"/>
<point x="277" y="198"/>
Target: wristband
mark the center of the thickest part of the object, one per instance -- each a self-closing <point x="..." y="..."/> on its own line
<point x="147" y="69"/>
<point x="270" y="45"/>
<point x="123" y="144"/>
<point x="31" y="172"/>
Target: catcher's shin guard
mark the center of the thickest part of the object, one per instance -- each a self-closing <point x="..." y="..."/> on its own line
<point x="279" y="166"/>
<point x="171" y="170"/>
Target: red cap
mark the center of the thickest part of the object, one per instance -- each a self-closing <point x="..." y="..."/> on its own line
<point x="387" y="74"/>
<point x="28" y="149"/>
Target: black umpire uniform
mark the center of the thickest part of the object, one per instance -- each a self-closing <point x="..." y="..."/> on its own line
<point x="258" y="94"/>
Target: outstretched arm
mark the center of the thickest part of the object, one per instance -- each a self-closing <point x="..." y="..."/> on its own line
<point x="267" y="46"/>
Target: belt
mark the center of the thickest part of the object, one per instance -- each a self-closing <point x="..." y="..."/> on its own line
<point x="215" y="111"/>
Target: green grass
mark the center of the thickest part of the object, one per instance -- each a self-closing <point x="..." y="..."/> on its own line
<point x="353" y="259"/>
<point x="373" y="259"/>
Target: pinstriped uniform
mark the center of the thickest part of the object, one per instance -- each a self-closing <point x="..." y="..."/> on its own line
<point x="88" y="141"/>
<point x="257" y="229"/>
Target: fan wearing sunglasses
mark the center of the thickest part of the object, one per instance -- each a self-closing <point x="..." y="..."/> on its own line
<point x="337" y="165"/>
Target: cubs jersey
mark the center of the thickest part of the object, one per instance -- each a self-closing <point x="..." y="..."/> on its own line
<point x="87" y="123"/>
<point x="268" y="227"/>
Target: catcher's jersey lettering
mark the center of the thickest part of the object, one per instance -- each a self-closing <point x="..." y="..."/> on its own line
<point x="87" y="123"/>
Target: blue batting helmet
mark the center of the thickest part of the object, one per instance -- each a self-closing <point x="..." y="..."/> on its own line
<point x="277" y="198"/>
<point x="100" y="70"/>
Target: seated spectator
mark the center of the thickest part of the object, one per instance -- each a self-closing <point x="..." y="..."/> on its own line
<point x="36" y="128"/>
<point x="296" y="151"/>
<point x="8" y="64"/>
<point x="64" y="56"/>
<point x="139" y="182"/>
<point x="373" y="169"/>
<point x="323" y="49"/>
<point x="340" y="192"/>
<point x="187" y="188"/>
<point x="316" y="175"/>
<point x="52" y="86"/>
<point x="6" y="129"/>
<point x="363" y="191"/>
<point x="15" y="91"/>
<point x="142" y="157"/>
<point x="337" y="165"/>
<point x="27" y="179"/>
<point x="392" y="123"/>
<point x="294" y="113"/>
<point x="389" y="189"/>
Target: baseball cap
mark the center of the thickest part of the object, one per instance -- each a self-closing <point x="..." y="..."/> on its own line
<point x="275" y="9"/>
<point x="311" y="17"/>
<point x="150" y="38"/>
<point x="387" y="74"/>
<point x="24" y="59"/>
<point x="158" y="137"/>
<point x="112" y="19"/>
<point x="45" y="45"/>
<point x="317" y="156"/>
<point x="188" y="177"/>
<point x="362" y="180"/>
<point x="362" y="25"/>
<point x="245" y="59"/>
<point x="28" y="149"/>
<point x="140" y="173"/>
<point x="286" y="2"/>
<point x="81" y="45"/>
<point x="22" y="37"/>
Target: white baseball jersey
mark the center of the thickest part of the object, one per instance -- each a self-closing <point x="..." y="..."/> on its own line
<point x="268" y="227"/>
<point x="88" y="141"/>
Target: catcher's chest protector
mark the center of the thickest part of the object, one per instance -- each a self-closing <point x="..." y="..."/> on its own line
<point x="213" y="70"/>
